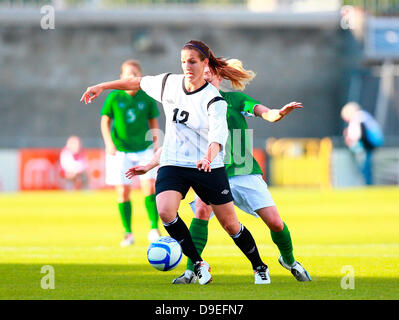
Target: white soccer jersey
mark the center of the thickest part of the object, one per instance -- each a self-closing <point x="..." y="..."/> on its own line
<point x="193" y="119"/>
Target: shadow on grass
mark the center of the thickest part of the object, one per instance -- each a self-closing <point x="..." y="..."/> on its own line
<point x="141" y="282"/>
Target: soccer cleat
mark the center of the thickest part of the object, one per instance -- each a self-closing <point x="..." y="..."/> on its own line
<point x="128" y="241"/>
<point x="262" y="275"/>
<point x="153" y="235"/>
<point x="186" y="278"/>
<point x="296" y="269"/>
<point x="202" y="271"/>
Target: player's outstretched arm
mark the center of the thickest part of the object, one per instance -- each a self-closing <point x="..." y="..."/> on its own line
<point x="274" y="115"/>
<point x="93" y="92"/>
<point x="140" y="170"/>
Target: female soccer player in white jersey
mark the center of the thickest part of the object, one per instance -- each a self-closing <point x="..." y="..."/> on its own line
<point x="193" y="149"/>
<point x="249" y="190"/>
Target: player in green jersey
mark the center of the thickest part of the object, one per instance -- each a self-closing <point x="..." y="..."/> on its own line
<point x="127" y="117"/>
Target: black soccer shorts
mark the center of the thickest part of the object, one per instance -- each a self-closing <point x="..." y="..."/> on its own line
<point x="212" y="187"/>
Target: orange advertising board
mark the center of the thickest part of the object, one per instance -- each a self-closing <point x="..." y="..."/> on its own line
<point x="39" y="169"/>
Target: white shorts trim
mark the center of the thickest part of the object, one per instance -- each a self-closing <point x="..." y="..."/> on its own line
<point x="250" y="193"/>
<point x="117" y="165"/>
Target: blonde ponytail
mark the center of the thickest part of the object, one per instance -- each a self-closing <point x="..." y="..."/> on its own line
<point x="243" y="76"/>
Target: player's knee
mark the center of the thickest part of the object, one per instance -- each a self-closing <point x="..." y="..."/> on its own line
<point x="166" y="215"/>
<point x="123" y="193"/>
<point x="276" y="225"/>
<point x="203" y="212"/>
<point x="162" y="214"/>
<point x="148" y="188"/>
<point x="232" y="228"/>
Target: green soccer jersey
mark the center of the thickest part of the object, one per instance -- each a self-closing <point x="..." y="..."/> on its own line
<point x="130" y="119"/>
<point x="239" y="159"/>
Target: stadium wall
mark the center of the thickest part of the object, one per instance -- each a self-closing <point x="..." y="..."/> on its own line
<point x="300" y="57"/>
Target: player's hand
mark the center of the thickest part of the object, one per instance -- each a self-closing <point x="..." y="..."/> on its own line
<point x="136" y="171"/>
<point x="91" y="93"/>
<point x="204" y="164"/>
<point x="290" y="107"/>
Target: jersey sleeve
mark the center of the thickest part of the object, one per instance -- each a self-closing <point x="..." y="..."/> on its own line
<point x="218" y="131"/>
<point x="154" y="85"/>
<point x="107" y="107"/>
<point x="247" y="104"/>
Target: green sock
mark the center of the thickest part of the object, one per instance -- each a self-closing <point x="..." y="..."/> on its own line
<point x="125" y="209"/>
<point x="283" y="241"/>
<point x="199" y="233"/>
<point x="151" y="206"/>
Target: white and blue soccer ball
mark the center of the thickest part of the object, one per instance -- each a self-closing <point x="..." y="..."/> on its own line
<point x="164" y="254"/>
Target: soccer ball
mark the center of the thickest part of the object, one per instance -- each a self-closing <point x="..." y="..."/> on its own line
<point x="164" y="254"/>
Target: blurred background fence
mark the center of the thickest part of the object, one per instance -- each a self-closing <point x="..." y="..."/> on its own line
<point x="322" y="53"/>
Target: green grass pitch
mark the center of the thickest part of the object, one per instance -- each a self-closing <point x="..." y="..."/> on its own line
<point x="78" y="234"/>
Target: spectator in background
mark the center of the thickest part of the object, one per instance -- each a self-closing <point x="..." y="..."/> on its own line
<point x="73" y="163"/>
<point x="362" y="136"/>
